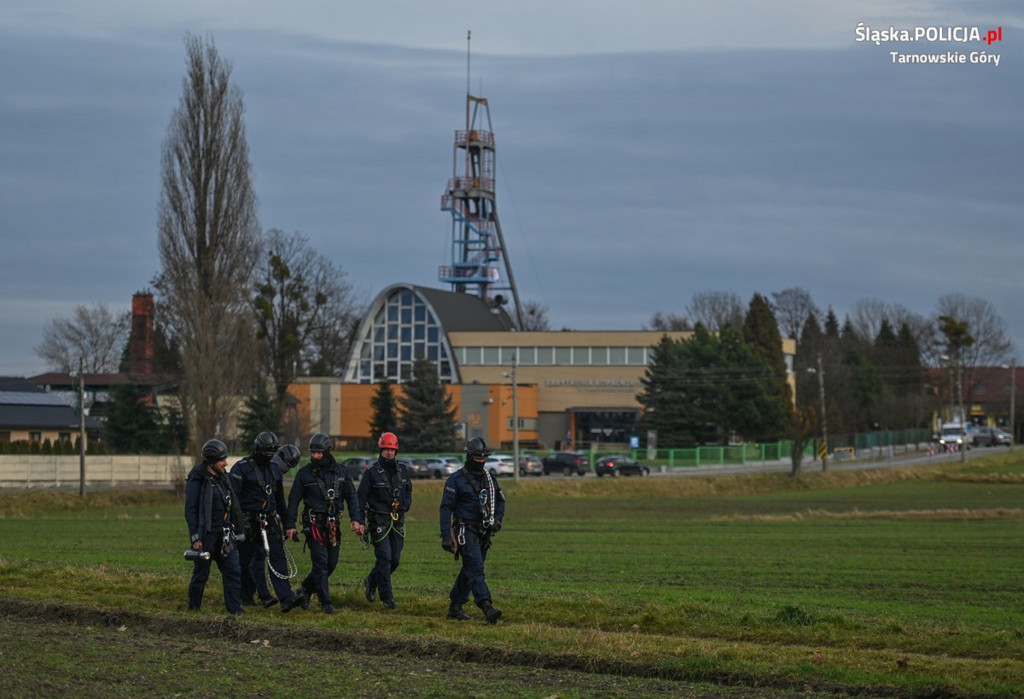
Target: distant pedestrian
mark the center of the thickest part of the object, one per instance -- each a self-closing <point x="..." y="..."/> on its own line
<point x="258" y="481"/>
<point x="385" y="495"/>
<point x="472" y="509"/>
<point x="323" y="487"/>
<point x="214" y="520"/>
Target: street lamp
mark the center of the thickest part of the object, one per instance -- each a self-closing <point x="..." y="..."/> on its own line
<point x="515" y="415"/>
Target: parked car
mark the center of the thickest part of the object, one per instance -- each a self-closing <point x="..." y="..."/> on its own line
<point x="565" y="463"/>
<point x="417" y="468"/>
<point x="441" y="467"/>
<point x="620" y="466"/>
<point x="530" y="465"/>
<point x="501" y="465"/>
<point x="355" y="465"/>
<point x="990" y="437"/>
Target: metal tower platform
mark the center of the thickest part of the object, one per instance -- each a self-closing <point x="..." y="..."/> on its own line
<point x="478" y="251"/>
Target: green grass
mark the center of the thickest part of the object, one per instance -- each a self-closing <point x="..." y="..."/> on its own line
<point x="903" y="582"/>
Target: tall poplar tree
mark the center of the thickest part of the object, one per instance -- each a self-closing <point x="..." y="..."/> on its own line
<point x="208" y="240"/>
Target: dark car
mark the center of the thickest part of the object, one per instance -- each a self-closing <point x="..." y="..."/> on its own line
<point x="565" y="463"/>
<point x="417" y="468"/>
<point x="620" y="466"/>
<point x="356" y="465"/>
<point x="990" y="437"/>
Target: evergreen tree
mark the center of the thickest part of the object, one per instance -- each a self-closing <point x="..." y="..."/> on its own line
<point x="385" y="410"/>
<point x="426" y="414"/>
<point x="260" y="413"/>
<point x="662" y="393"/>
<point x="831" y="325"/>
<point x="133" y="425"/>
<point x="768" y="402"/>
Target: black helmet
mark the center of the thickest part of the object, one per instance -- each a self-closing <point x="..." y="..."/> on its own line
<point x="319" y="442"/>
<point x="264" y="442"/>
<point x="214" y="450"/>
<point x="476" y="448"/>
<point x="290" y="454"/>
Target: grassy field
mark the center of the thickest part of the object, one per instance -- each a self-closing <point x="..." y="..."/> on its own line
<point x="893" y="582"/>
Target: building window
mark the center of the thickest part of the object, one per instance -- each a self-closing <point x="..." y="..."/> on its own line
<point x="563" y="356"/>
<point x="402" y="331"/>
<point x="581" y="356"/>
<point x="616" y="356"/>
<point x="545" y="356"/>
<point x="65" y="437"/>
<point x="35" y="436"/>
<point x="636" y="356"/>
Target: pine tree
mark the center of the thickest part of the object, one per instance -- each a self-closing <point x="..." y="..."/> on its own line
<point x="662" y="392"/>
<point x="260" y="413"/>
<point x="385" y="409"/>
<point x="133" y="426"/>
<point x="426" y="414"/>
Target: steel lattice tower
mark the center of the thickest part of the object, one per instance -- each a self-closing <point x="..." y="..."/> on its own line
<point x="478" y="247"/>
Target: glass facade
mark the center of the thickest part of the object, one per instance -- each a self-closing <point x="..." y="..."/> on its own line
<point x="403" y="329"/>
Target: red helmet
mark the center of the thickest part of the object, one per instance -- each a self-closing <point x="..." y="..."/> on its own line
<point x="388" y="440"/>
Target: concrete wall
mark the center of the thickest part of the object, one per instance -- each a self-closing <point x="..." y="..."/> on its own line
<point x="32" y="471"/>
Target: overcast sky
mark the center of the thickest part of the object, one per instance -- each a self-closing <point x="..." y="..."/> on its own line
<point x="647" y="151"/>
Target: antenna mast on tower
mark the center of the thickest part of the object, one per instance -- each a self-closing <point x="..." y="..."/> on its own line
<point x="478" y="245"/>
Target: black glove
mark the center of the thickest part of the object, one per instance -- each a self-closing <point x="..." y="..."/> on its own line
<point x="496" y="527"/>
<point x="448" y="545"/>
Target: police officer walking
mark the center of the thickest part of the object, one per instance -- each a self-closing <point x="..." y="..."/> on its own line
<point x="472" y="508"/>
<point x="258" y="481"/>
<point x="385" y="495"/>
<point x="324" y="488"/>
<point x="213" y="515"/>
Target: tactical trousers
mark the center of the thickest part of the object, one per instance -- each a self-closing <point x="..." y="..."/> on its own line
<point x="471" y="577"/>
<point x="325" y="560"/>
<point x="230" y="573"/>
<point x="388" y="554"/>
<point x="254" y="562"/>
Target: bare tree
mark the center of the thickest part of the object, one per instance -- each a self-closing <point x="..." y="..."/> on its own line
<point x="716" y="309"/>
<point x="792" y="308"/>
<point x="668" y="322"/>
<point x="208" y="239"/>
<point x="305" y="309"/>
<point x="95" y="335"/>
<point x="535" y="316"/>
<point x="991" y="347"/>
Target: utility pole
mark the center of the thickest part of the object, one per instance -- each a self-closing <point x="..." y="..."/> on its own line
<point x="1013" y="401"/>
<point x="81" y="426"/>
<point x="960" y="404"/>
<point x="515" y="415"/>
<point x="824" y="415"/>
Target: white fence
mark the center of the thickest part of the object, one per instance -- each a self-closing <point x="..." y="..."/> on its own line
<point x="40" y="471"/>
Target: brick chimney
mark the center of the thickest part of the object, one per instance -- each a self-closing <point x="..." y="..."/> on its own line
<point x="140" y="344"/>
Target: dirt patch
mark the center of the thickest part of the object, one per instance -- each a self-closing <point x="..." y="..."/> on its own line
<point x="148" y="652"/>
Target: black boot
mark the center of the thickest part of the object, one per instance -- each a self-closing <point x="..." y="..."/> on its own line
<point x="455" y="612"/>
<point x="491" y="612"/>
<point x="369" y="590"/>
<point x="292" y="601"/>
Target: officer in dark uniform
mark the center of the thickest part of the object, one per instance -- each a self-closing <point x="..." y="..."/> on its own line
<point x="472" y="508"/>
<point x="213" y="516"/>
<point x="385" y="495"/>
<point x="323" y="487"/>
<point x="258" y="481"/>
